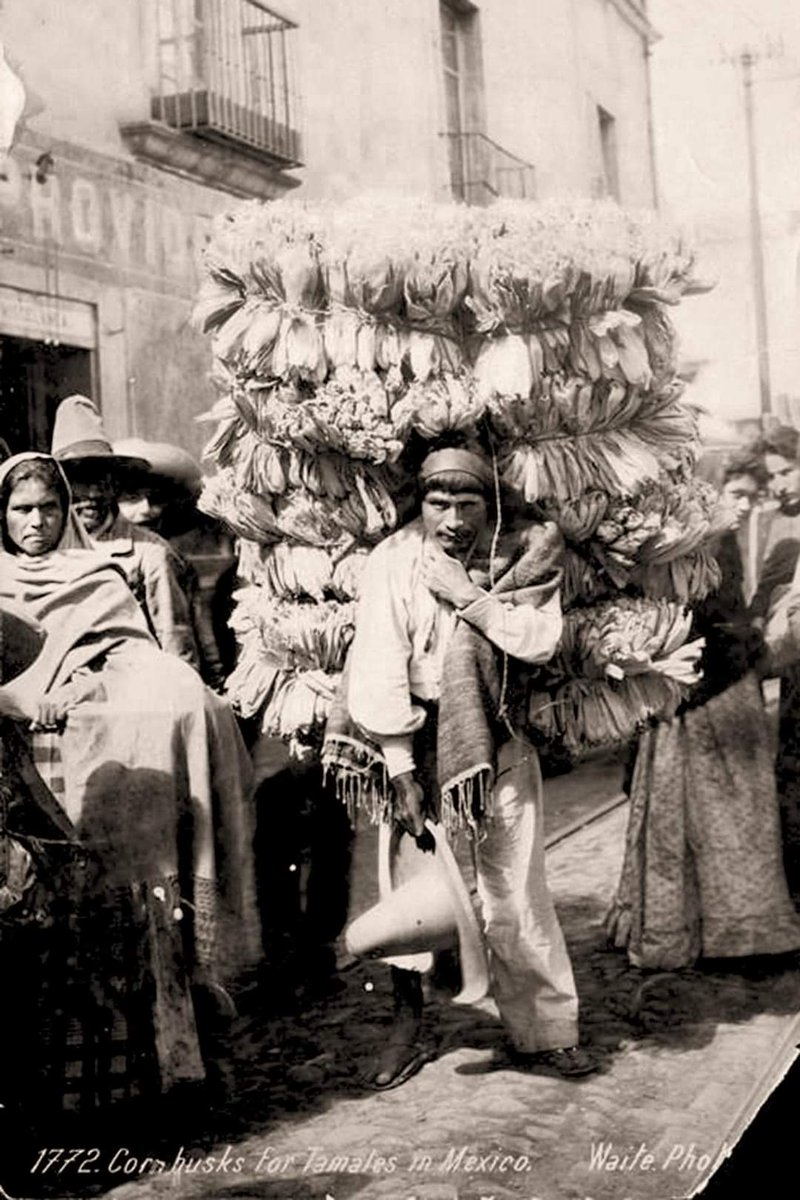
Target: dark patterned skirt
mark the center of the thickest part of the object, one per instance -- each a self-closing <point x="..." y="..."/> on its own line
<point x="99" y="994"/>
<point x="703" y="872"/>
<point x="96" y="1005"/>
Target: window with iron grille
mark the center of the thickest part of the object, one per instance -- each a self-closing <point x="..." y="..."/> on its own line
<point x="479" y="169"/>
<point x="226" y="71"/>
<point x="454" y="32"/>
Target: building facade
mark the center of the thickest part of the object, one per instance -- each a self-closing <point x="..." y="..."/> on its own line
<point x="146" y="118"/>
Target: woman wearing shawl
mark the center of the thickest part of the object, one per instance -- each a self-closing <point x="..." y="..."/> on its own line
<point x="154" y="909"/>
<point x="703" y="874"/>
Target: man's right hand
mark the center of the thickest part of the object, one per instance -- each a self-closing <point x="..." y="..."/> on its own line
<point x="44" y="713"/>
<point x="409" y="801"/>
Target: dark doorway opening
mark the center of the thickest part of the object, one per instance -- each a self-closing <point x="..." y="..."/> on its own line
<point x="34" y="378"/>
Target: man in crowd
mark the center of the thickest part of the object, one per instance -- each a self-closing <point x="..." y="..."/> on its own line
<point x="163" y="499"/>
<point x="780" y="454"/>
<point x="162" y="496"/>
<point x="152" y="568"/>
<point x="779" y="526"/>
<point x="744" y="479"/>
<point x="450" y="612"/>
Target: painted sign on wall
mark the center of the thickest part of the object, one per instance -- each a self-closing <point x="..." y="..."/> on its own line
<point x="111" y="213"/>
<point x="46" y="318"/>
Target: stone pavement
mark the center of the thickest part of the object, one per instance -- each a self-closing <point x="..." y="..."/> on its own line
<point x="683" y="1055"/>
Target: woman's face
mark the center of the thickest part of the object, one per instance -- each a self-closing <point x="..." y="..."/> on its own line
<point x="34" y="517"/>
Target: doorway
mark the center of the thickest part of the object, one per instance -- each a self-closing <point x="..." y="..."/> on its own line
<point x="34" y="377"/>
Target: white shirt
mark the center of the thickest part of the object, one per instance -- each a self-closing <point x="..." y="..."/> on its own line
<point x="402" y="634"/>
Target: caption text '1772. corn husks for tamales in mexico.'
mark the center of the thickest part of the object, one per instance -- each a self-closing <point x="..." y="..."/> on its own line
<point x="347" y="337"/>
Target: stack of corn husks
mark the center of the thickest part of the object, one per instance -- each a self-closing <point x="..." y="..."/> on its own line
<point x="347" y="336"/>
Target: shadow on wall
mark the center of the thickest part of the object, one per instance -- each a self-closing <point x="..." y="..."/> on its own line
<point x="168" y="383"/>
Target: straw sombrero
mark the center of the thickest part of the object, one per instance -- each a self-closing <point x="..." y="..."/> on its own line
<point x="79" y="437"/>
<point x="165" y="461"/>
<point x="424" y="907"/>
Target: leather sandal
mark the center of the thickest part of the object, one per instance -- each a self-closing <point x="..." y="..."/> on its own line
<point x="399" y="1061"/>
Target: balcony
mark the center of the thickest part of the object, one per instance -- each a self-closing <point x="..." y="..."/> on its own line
<point x="225" y="71"/>
<point x="224" y="74"/>
<point x="482" y="171"/>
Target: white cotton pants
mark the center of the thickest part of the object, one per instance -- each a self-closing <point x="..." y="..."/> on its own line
<point x="532" y="981"/>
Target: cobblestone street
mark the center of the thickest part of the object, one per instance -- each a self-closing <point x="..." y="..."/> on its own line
<point x="682" y="1054"/>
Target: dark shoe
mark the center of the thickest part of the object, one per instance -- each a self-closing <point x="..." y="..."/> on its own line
<point x="399" y="1063"/>
<point x="403" y="1054"/>
<point x="570" y="1062"/>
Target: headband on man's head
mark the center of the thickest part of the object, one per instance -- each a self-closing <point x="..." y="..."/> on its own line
<point x="454" y="458"/>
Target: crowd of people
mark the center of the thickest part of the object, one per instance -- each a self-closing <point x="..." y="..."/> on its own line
<point x="128" y="873"/>
<point x="129" y="894"/>
<point x="703" y="874"/>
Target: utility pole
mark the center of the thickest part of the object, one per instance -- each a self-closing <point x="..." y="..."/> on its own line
<point x="746" y="60"/>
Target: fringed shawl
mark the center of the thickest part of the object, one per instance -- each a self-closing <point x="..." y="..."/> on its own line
<point x="481" y="703"/>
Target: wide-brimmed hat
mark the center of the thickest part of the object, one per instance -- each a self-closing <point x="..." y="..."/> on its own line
<point x="424" y="907"/>
<point x="164" y="461"/>
<point x="21" y="639"/>
<point x="79" y="437"/>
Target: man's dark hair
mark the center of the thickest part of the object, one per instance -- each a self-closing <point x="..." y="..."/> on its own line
<point x="782" y="440"/>
<point x="746" y="461"/>
<point x="456" y="481"/>
<point x="83" y="471"/>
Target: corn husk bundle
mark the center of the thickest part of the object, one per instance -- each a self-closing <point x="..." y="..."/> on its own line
<point x="585" y="581"/>
<point x="307" y="289"/>
<point x="625" y="636"/>
<point x="658" y="539"/>
<point x="305" y="637"/>
<point x="609" y="437"/>
<point x="293" y="649"/>
<point x="349" y="414"/>
<point x="588" y="714"/>
<point x="285" y="569"/>
<point x="346" y="335"/>
<point x="310" y="511"/>
<point x="689" y="578"/>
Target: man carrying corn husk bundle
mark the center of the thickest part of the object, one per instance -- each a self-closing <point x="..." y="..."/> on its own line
<point x="452" y="609"/>
<point x="347" y="336"/>
<point x="342" y="334"/>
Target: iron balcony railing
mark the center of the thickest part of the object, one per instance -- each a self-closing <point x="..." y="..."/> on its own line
<point x="226" y="71"/>
<point x="482" y="171"/>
